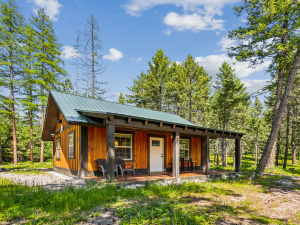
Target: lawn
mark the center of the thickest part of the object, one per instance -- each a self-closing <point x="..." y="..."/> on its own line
<point x="230" y="201"/>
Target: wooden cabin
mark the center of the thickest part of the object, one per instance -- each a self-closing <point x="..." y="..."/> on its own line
<point x="84" y="129"/>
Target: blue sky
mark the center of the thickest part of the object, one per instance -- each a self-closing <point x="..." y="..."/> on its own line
<point x="132" y="31"/>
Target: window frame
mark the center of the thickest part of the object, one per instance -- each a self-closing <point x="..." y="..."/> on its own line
<point x="57" y="139"/>
<point x="71" y="132"/>
<point x="189" y="147"/>
<point x="131" y="146"/>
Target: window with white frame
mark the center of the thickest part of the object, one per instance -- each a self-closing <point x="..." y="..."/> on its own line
<point x="123" y="146"/>
<point x="184" y="146"/>
<point x="58" y="148"/>
<point x="71" y="145"/>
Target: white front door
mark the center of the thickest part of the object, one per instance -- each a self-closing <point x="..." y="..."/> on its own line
<point x="156" y="154"/>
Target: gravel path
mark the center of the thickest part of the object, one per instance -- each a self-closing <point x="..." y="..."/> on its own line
<point x="50" y="179"/>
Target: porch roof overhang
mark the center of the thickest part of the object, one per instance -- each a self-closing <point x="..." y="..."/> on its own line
<point x="78" y="110"/>
<point x="121" y="121"/>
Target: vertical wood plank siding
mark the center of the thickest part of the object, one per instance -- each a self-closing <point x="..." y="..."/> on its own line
<point x="64" y="162"/>
<point x="196" y="150"/>
<point x="97" y="149"/>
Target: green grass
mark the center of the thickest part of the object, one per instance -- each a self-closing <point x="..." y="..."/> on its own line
<point x="27" y="165"/>
<point x="248" y="166"/>
<point x="152" y="204"/>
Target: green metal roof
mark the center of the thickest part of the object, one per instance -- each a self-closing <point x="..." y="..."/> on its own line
<point x="71" y="106"/>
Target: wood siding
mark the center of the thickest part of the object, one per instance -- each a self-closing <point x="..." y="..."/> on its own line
<point x="97" y="148"/>
<point x="64" y="162"/>
<point x="196" y="150"/>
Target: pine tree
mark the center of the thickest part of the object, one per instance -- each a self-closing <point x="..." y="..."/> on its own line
<point x="197" y="86"/>
<point x="156" y="80"/>
<point x="30" y="81"/>
<point x="49" y="71"/>
<point x="138" y="94"/>
<point x="121" y="99"/>
<point x="256" y="123"/>
<point x="11" y="37"/>
<point x="230" y="92"/>
<point x="149" y="90"/>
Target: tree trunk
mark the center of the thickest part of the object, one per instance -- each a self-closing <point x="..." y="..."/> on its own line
<point x="42" y="114"/>
<point x="279" y="116"/>
<point x="224" y="153"/>
<point x="287" y="138"/>
<point x="0" y="150"/>
<point x="13" y="118"/>
<point x="31" y="134"/>
<point x="255" y="152"/>
<point x="217" y="143"/>
<point x="293" y="141"/>
<point x="280" y="86"/>
<point x="278" y="149"/>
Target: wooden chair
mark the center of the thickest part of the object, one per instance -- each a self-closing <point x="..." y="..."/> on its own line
<point x="120" y="163"/>
<point x="102" y="164"/>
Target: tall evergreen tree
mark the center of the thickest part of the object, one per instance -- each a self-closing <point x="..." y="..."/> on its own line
<point x="11" y="37"/>
<point x="48" y="67"/>
<point x="149" y="90"/>
<point x="256" y="123"/>
<point x="156" y="80"/>
<point x="138" y="94"/>
<point x="197" y="86"/>
<point x="230" y="92"/>
<point x="30" y="81"/>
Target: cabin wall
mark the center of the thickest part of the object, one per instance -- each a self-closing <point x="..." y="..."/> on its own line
<point x="64" y="162"/>
<point x="97" y="149"/>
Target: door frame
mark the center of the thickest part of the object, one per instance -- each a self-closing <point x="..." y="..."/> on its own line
<point x="148" y="150"/>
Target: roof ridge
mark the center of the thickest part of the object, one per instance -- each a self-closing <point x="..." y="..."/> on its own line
<point x="120" y="104"/>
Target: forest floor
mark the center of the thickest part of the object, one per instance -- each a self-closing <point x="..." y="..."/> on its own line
<point x="271" y="199"/>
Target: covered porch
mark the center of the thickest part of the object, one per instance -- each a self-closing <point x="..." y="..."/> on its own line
<point x="201" y="133"/>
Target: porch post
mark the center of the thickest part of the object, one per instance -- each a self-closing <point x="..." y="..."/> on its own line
<point x="110" y="152"/>
<point x="83" y="151"/>
<point x="237" y="155"/>
<point x="205" y="154"/>
<point x="175" y="163"/>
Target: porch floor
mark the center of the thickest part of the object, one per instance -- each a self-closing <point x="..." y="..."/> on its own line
<point x="155" y="176"/>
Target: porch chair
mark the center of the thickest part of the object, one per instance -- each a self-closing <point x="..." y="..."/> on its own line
<point x="121" y="164"/>
<point x="102" y="164"/>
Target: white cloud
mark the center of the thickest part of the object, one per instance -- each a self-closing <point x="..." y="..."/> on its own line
<point x="254" y="85"/>
<point x="135" y="7"/>
<point x="136" y="60"/>
<point x="194" y="22"/>
<point x="212" y="63"/>
<point x="69" y="52"/>
<point x="226" y="43"/>
<point x="197" y="14"/>
<point x="114" y="55"/>
<point x="52" y="7"/>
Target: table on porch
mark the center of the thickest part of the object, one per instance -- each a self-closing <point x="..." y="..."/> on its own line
<point x="190" y="163"/>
